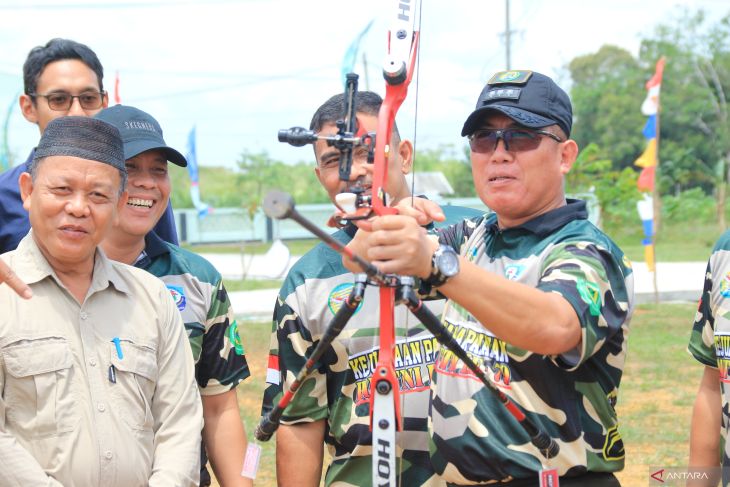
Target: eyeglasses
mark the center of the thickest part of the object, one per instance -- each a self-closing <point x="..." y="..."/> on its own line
<point x="485" y="141"/>
<point x="62" y="101"/>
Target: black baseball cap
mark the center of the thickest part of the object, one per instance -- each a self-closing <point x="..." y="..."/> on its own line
<point x="531" y="99"/>
<point x="140" y="132"/>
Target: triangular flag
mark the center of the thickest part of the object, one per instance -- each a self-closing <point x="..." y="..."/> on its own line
<point x="650" y="127"/>
<point x="648" y="158"/>
<point x="646" y="179"/>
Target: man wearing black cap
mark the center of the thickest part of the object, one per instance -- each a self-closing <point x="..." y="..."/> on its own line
<point x="96" y="377"/>
<point x="538" y="296"/>
<point x="60" y="78"/>
<point x="196" y="287"/>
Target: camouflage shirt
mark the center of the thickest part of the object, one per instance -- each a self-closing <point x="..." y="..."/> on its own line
<point x="710" y="339"/>
<point x="571" y="396"/>
<point x="339" y="389"/>
<point x="197" y="289"/>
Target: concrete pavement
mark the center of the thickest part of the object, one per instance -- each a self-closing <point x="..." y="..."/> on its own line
<point x="676" y="281"/>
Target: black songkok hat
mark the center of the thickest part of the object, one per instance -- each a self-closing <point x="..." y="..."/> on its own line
<point x="84" y="137"/>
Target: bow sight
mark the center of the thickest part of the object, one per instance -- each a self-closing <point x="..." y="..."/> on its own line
<point x="345" y="140"/>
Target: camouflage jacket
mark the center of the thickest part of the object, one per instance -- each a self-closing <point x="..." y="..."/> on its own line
<point x="339" y="390"/>
<point x="571" y="396"/>
<point x="197" y="289"/>
<point x="710" y="339"/>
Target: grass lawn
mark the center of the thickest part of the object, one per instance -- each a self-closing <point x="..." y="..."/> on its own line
<point x="674" y="243"/>
<point x="296" y="247"/>
<point x="251" y="284"/>
<point x="655" y="403"/>
<point x="657" y="391"/>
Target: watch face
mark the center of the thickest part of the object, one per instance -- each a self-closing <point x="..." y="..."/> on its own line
<point x="448" y="263"/>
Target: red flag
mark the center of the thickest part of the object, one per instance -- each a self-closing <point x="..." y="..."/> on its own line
<point x="117" y="98"/>
<point x="646" y="179"/>
<point x="657" y="78"/>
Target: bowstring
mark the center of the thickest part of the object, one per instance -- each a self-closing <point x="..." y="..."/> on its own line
<point x="413" y="193"/>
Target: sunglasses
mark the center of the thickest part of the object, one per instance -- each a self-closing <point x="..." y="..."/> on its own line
<point x="484" y="141"/>
<point x="62" y="101"/>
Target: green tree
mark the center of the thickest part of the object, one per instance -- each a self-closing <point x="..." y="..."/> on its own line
<point x="607" y="92"/>
<point x="615" y="188"/>
<point x="259" y="173"/>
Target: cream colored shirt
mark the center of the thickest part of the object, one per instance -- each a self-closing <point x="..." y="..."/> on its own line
<point x="76" y="410"/>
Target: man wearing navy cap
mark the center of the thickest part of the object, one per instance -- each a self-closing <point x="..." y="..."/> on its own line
<point x="96" y="376"/>
<point x="196" y="286"/>
<point x="538" y="296"/>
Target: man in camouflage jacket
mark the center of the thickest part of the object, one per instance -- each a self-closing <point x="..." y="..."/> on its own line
<point x="537" y="296"/>
<point x="332" y="406"/>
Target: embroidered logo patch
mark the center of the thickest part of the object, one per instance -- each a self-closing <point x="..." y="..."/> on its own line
<point x="513" y="271"/>
<point x="512" y="77"/>
<point x="178" y="295"/>
<point x="338" y="296"/>
<point x="725" y="286"/>
<point x="591" y="294"/>
<point x="234" y="338"/>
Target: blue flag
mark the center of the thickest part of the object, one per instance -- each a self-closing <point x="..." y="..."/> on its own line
<point x="192" y="158"/>
<point x="650" y="127"/>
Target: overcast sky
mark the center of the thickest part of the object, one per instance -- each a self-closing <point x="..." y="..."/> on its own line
<point x="242" y="69"/>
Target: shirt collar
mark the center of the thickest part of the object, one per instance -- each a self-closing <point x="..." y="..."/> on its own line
<point x="154" y="247"/>
<point x="31" y="267"/>
<point x="545" y="224"/>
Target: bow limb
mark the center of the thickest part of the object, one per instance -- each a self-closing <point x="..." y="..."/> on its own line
<point x="398" y="75"/>
<point x="385" y="414"/>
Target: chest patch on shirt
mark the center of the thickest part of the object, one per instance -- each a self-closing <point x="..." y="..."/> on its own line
<point x="338" y="296"/>
<point x="486" y="350"/>
<point x="725" y="286"/>
<point x="413" y="360"/>
<point x="178" y="295"/>
<point x="722" y="352"/>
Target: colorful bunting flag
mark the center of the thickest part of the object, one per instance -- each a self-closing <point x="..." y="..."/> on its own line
<point x="648" y="162"/>
<point x="648" y="158"/>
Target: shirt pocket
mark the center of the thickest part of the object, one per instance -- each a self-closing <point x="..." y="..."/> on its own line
<point x="39" y="393"/>
<point x="136" y="378"/>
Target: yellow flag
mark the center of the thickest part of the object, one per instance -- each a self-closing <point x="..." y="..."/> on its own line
<point x="649" y="257"/>
<point x="648" y="158"/>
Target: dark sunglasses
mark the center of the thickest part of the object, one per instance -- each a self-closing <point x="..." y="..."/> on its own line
<point x="484" y="141"/>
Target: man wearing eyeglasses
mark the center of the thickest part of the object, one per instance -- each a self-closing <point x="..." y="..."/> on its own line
<point x="60" y="78"/>
<point x="538" y="296"/>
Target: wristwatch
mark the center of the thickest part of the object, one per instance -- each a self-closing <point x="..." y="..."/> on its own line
<point x="444" y="266"/>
